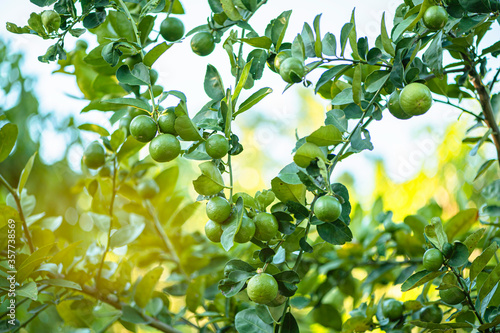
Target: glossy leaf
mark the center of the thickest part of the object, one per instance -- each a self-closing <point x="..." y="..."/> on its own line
<point x="145" y="287"/>
<point x="8" y="136"/>
<point x="482" y="260"/>
<point x="419" y="279"/>
<point x="25" y="174"/>
<point x="155" y="53"/>
<point x="210" y="182"/>
<point x="248" y="321"/>
<point x="336" y="233"/>
<point x="94" y="128"/>
<point x="214" y="87"/>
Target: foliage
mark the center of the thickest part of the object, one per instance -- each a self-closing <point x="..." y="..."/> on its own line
<point x="138" y="265"/>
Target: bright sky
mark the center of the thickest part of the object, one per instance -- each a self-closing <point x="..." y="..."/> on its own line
<point x="404" y="145"/>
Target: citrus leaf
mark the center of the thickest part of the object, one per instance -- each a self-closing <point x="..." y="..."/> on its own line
<point x="138" y="76"/>
<point x="336" y="233"/>
<point x="482" y="260"/>
<point x="213" y="85"/>
<point x="232" y="228"/>
<point x="25" y="174"/>
<point x="155" y="53"/>
<point x="210" y="182"/>
<point x="386" y="41"/>
<point x="8" y="136"/>
<point x="134" y="102"/>
<point x="435" y="233"/>
<point x="419" y="279"/>
<point x="252" y="100"/>
<point x="248" y="321"/>
<point x="127" y="234"/>
<point x="145" y="287"/>
<point x="325" y="136"/>
<point x="61" y="283"/>
<point x="94" y="128"/>
<point x="461" y="222"/>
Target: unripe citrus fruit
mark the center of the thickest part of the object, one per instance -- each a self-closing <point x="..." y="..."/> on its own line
<point x="246" y="232"/>
<point x="453" y="295"/>
<point x="166" y="121"/>
<point x="435" y="17"/>
<point x="266" y="226"/>
<point x="327" y="208"/>
<point x="395" y="108"/>
<point x="262" y="288"/>
<point x="218" y="209"/>
<point x="307" y="153"/>
<point x="292" y="70"/>
<point x="392" y="309"/>
<point x="51" y="20"/>
<point x="280" y="57"/>
<point x="164" y="148"/>
<point x="203" y="43"/>
<point x="433" y="260"/>
<point x="415" y="99"/>
<point x="143" y="128"/>
<point x="213" y="231"/>
<point x="105" y="172"/>
<point x="172" y="29"/>
<point x="148" y="189"/>
<point x="94" y="156"/>
<point x="217" y="146"/>
<point x="431" y="314"/>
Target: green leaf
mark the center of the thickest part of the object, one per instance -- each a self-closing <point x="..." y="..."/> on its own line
<point x="298" y="48"/>
<point x="127" y="234"/>
<point x="35" y="23"/>
<point x="386" y="41"/>
<point x="288" y="187"/>
<point x="474" y="238"/>
<point x="461" y="222"/>
<point x="117" y="138"/>
<point x="258" y="57"/>
<point x="184" y="126"/>
<point x="357" y="92"/>
<point x="482" y="260"/>
<point x="484" y="167"/>
<point x="210" y="182"/>
<point x="329" y="45"/>
<point x="344" y="97"/>
<point x="134" y="102"/>
<point x="337" y="118"/>
<point x="248" y="321"/>
<point x="277" y="28"/>
<point x="242" y="81"/>
<point x="230" y="9"/>
<point x="325" y="136"/>
<point x="336" y="233"/>
<point x="252" y="100"/>
<point x="419" y="279"/>
<point x="262" y="42"/>
<point x="376" y="80"/>
<point x="441" y="327"/>
<point x="417" y="224"/>
<point x="360" y="141"/>
<point x="135" y="77"/>
<point x="330" y="74"/>
<point x="232" y="228"/>
<point x="433" y="56"/>
<point x="344" y="35"/>
<point x="28" y="290"/>
<point x="32" y="262"/>
<point x="290" y="324"/>
<point x="318" y="46"/>
<point x="8" y="136"/>
<point x="459" y="256"/>
<point x="194" y="293"/>
<point x="43" y="3"/>
<point x="129" y="147"/>
<point x="213" y="85"/>
<point x="353" y="37"/>
<point x="489" y="284"/>
<point x="435" y="233"/>
<point x="25" y="174"/>
<point x="94" y="128"/>
<point x="132" y="315"/>
<point x="15" y="29"/>
<point x="95" y="19"/>
<point x="61" y="283"/>
<point x="155" y="53"/>
<point x="145" y="287"/>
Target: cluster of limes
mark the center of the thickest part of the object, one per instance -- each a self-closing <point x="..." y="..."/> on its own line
<point x="394" y="309"/>
<point x="291" y="69"/>
<point x="262" y="226"/>
<point x="414" y="100"/>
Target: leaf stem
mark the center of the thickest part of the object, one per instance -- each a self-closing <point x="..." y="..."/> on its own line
<point x="478" y="117"/>
<point x="17" y="199"/>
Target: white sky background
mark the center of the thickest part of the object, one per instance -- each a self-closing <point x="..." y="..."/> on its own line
<point x="404" y="145"/>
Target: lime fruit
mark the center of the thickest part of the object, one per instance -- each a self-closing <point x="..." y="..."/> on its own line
<point x="94" y="156"/>
<point x="433" y="260"/>
<point x="327" y="208"/>
<point x="266" y="226"/>
<point x="203" y="43"/>
<point x="292" y="70"/>
<point x="166" y="121"/>
<point x="435" y="17"/>
<point x="172" y="29"/>
<point x="246" y="232"/>
<point x="217" y="146"/>
<point x="148" y="189"/>
<point x="392" y="309"/>
<point x="51" y="20"/>
<point x="415" y="99"/>
<point x="431" y="314"/>
<point x="262" y="288"/>
<point x="143" y="128"/>
<point x="280" y="57"/>
<point x="218" y="209"/>
<point x="395" y="108"/>
<point x="164" y="148"/>
<point x="452" y="295"/>
<point x="213" y="231"/>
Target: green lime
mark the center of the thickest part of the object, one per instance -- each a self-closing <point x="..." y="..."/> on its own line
<point x="203" y="43"/>
<point x="166" y="121"/>
<point x="433" y="260"/>
<point x="306" y="153"/>
<point x="105" y="172"/>
<point x="431" y="314"/>
<point x="213" y="231"/>
<point x="280" y="57"/>
<point x="218" y="209"/>
<point x="453" y="295"/>
<point x="395" y="108"/>
<point x="164" y="148"/>
<point x="392" y="309"/>
<point x="217" y="146"/>
<point x="51" y="20"/>
<point x="262" y="288"/>
<point x="327" y="208"/>
<point x="246" y="232"/>
<point x="172" y="29"/>
<point x="94" y="156"/>
<point x="266" y="226"/>
<point x="415" y="99"/>
<point x="292" y="70"/>
<point x="435" y="17"/>
<point x="148" y="189"/>
<point x="143" y="128"/>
